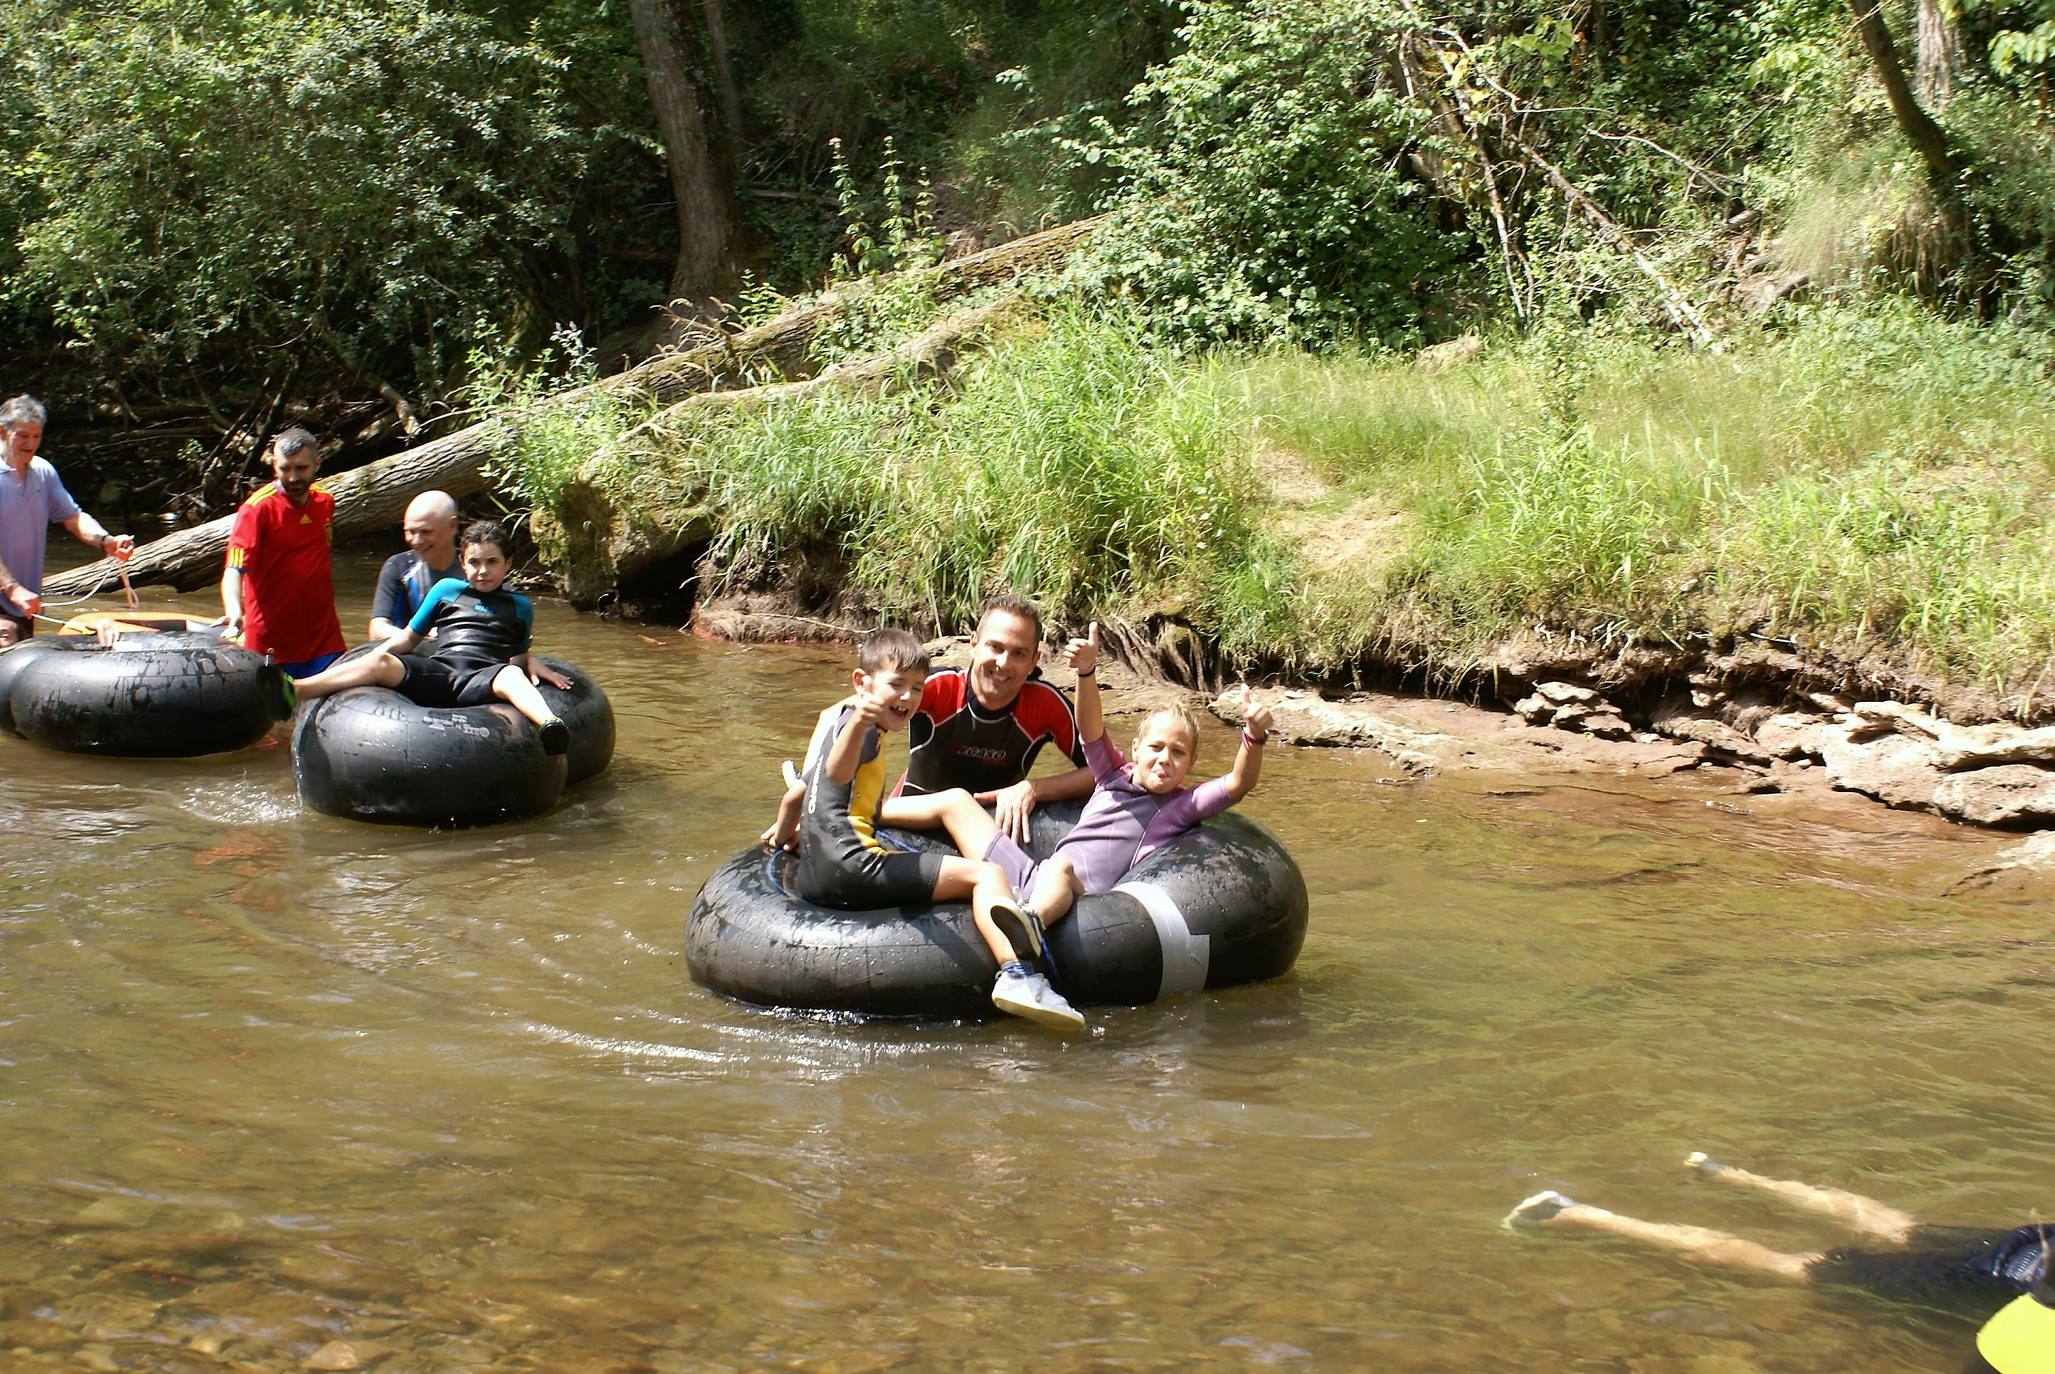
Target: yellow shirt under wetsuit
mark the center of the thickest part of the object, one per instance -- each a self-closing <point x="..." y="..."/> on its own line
<point x="842" y="861"/>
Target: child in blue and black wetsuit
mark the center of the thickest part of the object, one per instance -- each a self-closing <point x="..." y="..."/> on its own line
<point x="830" y="816"/>
<point x="482" y="634"/>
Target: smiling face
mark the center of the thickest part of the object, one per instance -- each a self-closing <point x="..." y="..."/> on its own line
<point x="431" y="534"/>
<point x="485" y="565"/>
<point x="895" y="690"/>
<point x="22" y="441"/>
<point x="1163" y="753"/>
<point x="1002" y="655"/>
<point x="295" y="473"/>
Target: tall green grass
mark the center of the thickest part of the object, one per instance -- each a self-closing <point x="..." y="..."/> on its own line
<point x="1076" y="466"/>
<point x="1880" y="478"/>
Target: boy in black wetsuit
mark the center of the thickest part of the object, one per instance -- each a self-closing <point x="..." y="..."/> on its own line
<point x="1924" y="1262"/>
<point x="829" y="814"/>
<point x="482" y="634"/>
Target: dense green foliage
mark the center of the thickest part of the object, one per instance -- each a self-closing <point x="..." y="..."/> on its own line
<point x="378" y="187"/>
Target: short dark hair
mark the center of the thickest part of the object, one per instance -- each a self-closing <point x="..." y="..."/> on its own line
<point x="1013" y="605"/>
<point x="484" y="532"/>
<point x="889" y="650"/>
<point x="287" y="442"/>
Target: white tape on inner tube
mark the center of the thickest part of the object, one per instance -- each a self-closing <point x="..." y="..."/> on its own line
<point x="1185" y="955"/>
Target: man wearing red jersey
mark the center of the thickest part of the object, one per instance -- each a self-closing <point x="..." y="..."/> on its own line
<point x="980" y="728"/>
<point x="277" y="589"/>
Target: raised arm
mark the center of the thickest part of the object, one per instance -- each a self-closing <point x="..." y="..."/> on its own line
<point x="1248" y="760"/>
<point x="845" y="756"/>
<point x="1083" y="657"/>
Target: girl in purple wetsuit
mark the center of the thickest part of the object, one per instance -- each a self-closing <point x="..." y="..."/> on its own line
<point x="1135" y="807"/>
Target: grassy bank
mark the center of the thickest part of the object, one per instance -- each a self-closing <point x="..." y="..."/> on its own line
<point x="1875" y="483"/>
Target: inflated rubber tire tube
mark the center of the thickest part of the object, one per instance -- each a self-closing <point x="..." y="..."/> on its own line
<point x="1220" y="905"/>
<point x="14" y="660"/>
<point x="372" y="755"/>
<point x="148" y="696"/>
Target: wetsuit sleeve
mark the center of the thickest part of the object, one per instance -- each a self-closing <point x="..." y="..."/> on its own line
<point x="431" y="603"/>
<point x="389" y="602"/>
<point x="824" y="731"/>
<point x="1197" y="803"/>
<point x="1103" y="758"/>
<point x="524" y="613"/>
<point x="1045" y="712"/>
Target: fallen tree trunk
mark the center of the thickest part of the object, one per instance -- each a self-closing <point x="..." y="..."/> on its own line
<point x="376" y="495"/>
<point x="596" y="543"/>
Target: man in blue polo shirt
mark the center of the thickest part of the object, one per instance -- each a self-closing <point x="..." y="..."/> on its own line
<point x="32" y="499"/>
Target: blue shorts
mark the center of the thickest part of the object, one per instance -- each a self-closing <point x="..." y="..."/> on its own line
<point x="311" y="666"/>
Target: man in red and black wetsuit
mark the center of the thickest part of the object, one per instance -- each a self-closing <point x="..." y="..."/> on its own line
<point x="980" y="728"/>
<point x="277" y="589"/>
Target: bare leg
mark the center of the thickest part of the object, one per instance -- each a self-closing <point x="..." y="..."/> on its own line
<point x="512" y="686"/>
<point x="1017" y="990"/>
<point x="1056" y="887"/>
<point x="380" y="669"/>
<point x="971" y="828"/>
<point x="1694" y="1242"/>
<point x="985" y="884"/>
<point x="1853" y="1210"/>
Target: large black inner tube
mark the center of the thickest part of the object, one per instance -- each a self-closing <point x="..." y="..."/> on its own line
<point x="370" y="754"/>
<point x="21" y="655"/>
<point x="176" y="695"/>
<point x="1220" y="905"/>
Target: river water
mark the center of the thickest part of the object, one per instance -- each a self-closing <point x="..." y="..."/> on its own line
<point x="284" y="1091"/>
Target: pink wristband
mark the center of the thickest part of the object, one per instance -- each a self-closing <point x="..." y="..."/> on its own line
<point x="1258" y="740"/>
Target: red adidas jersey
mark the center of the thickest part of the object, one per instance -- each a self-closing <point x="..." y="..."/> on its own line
<point x="288" y="591"/>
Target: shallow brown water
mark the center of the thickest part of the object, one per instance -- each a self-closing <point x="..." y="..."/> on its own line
<point x="276" y="1080"/>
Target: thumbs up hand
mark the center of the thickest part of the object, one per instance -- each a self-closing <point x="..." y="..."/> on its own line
<point x="1255" y="715"/>
<point x="1083" y="654"/>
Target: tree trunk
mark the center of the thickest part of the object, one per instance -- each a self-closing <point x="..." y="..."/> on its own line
<point x="724" y="72"/>
<point x="700" y="181"/>
<point x="1917" y="125"/>
<point x="377" y="494"/>
<point x="1940" y="59"/>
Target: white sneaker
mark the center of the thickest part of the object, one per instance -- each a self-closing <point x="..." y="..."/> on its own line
<point x="1029" y="995"/>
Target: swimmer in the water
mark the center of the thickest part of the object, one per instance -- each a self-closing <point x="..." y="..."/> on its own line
<point x="1920" y="1262"/>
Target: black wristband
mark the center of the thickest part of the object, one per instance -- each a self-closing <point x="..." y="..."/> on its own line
<point x="1086" y="672"/>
